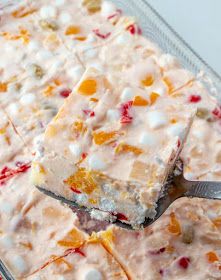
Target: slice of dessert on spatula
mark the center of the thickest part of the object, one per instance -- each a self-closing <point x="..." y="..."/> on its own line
<point x="109" y="155"/>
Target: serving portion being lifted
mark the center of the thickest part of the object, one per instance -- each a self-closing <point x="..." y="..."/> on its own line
<point x="111" y="147"/>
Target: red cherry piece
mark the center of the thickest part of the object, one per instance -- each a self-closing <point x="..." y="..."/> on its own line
<point x="125" y="113"/>
<point x="121" y="217"/>
<point x="184" y="262"/>
<point x="194" y="98"/>
<point x="65" y="93"/>
<point x="100" y="35"/>
<point x="158" y="252"/>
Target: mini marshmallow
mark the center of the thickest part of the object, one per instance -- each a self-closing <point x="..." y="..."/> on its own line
<point x="27" y="99"/>
<point x="91" y="38"/>
<point x="90" y="52"/>
<point x="124" y="39"/>
<point x="107" y="204"/>
<point x="6" y="242"/>
<point x="44" y="55"/>
<point x="48" y="11"/>
<point x="107" y="9"/>
<point x="147" y="139"/>
<point x="59" y="3"/>
<point x="76" y="72"/>
<point x="127" y="94"/>
<point x="96" y="163"/>
<point x="33" y="46"/>
<point x="19" y="264"/>
<point x="6" y="207"/>
<point x="113" y="114"/>
<point x="156" y="119"/>
<point x="176" y="130"/>
<point x="13" y="109"/>
<point x="65" y="18"/>
<point x="75" y="149"/>
<point x="97" y="66"/>
<point x="168" y="61"/>
<point x="93" y="274"/>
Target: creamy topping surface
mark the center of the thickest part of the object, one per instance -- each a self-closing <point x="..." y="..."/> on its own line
<point x="45" y="48"/>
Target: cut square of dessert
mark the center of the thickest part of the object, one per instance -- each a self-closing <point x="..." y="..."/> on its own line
<point x="110" y="155"/>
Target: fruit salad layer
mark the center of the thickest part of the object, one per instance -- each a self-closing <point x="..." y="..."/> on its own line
<point x="131" y="93"/>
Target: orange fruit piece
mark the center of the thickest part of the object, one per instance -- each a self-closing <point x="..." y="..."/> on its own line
<point x="168" y="84"/>
<point x="153" y="97"/>
<point x="212" y="257"/>
<point x="217" y="222"/>
<point x="23" y="12"/>
<point x="74" y="239"/>
<point x="125" y="148"/>
<point x="139" y="101"/>
<point x="147" y="81"/>
<point x="88" y="87"/>
<point x="72" y="30"/>
<point x="3" y="87"/>
<point x="174" y="226"/>
<point x="80" y="38"/>
<point x="82" y="180"/>
<point x="103" y="137"/>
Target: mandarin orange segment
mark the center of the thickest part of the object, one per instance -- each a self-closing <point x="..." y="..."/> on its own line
<point x="72" y="30"/>
<point x="80" y="38"/>
<point x="88" y="87"/>
<point x="78" y="127"/>
<point x="103" y="137"/>
<point x="217" y="222"/>
<point x="125" y="148"/>
<point x="74" y="239"/>
<point x="174" y="225"/>
<point x="61" y="261"/>
<point x="153" y="97"/>
<point x="82" y="180"/>
<point x="212" y="257"/>
<point x="3" y="87"/>
<point x="23" y="12"/>
<point x="147" y="81"/>
<point x="169" y="84"/>
<point x="139" y="101"/>
<point x="48" y="91"/>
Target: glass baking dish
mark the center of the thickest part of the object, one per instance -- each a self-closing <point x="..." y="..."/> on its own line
<point x="158" y="30"/>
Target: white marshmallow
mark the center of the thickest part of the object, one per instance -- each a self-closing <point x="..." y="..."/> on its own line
<point x="148" y="139"/>
<point x="156" y="119"/>
<point x="33" y="46"/>
<point x="168" y="61"/>
<point x="13" y="109"/>
<point x="127" y="94"/>
<point x="27" y="99"/>
<point x="162" y="90"/>
<point x="44" y="55"/>
<point x="124" y="39"/>
<point x="75" y="149"/>
<point x="96" y="163"/>
<point x="176" y="130"/>
<point x="91" y="38"/>
<point x="113" y="114"/>
<point x="65" y="18"/>
<point x="76" y="72"/>
<point x="19" y="264"/>
<point x="48" y="11"/>
<point x="6" y="242"/>
<point x="107" y="9"/>
<point x="97" y="66"/>
<point x="90" y="53"/>
<point x="6" y="207"/>
<point x="93" y="274"/>
<point x="59" y="3"/>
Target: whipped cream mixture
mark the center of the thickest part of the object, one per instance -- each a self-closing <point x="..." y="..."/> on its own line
<point x="46" y="46"/>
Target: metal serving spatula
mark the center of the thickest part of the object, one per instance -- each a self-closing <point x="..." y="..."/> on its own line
<point x="180" y="187"/>
<point x="177" y="187"/>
